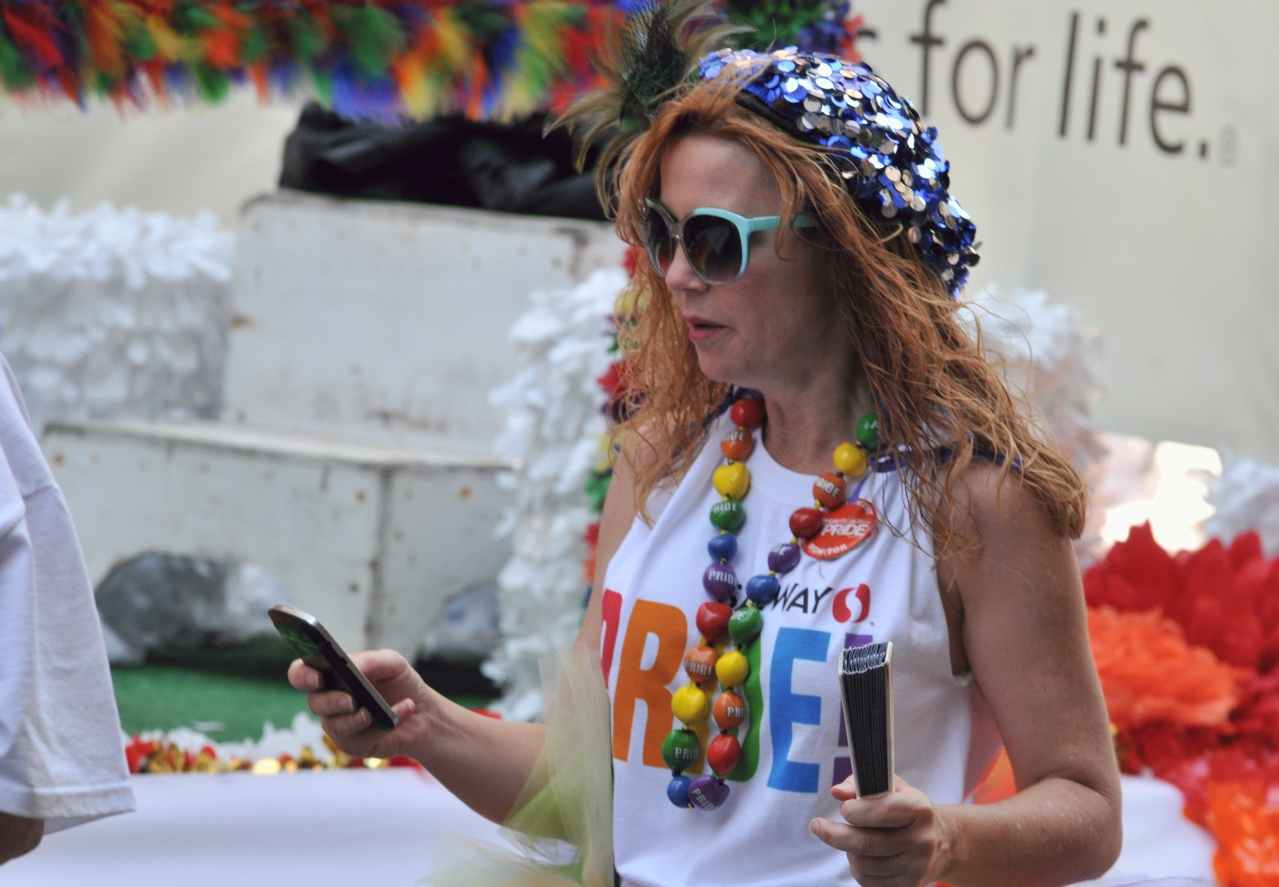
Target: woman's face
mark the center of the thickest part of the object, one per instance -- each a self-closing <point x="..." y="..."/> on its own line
<point x="774" y="324"/>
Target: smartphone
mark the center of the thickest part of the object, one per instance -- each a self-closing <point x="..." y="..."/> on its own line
<point x="316" y="647"/>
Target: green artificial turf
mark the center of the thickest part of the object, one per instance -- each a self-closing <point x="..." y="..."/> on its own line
<point x="225" y="707"/>
<point x="228" y="708"/>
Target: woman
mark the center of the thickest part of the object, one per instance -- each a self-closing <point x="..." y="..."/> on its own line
<point x="801" y="246"/>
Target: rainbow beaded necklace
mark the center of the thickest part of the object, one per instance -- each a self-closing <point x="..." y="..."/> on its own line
<point x="720" y="625"/>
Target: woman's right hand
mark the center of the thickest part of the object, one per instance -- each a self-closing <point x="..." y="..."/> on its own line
<point x="400" y="685"/>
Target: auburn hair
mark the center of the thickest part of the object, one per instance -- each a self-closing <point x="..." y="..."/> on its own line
<point x="942" y="402"/>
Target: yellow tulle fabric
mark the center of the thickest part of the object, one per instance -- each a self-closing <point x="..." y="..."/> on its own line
<point x="561" y="825"/>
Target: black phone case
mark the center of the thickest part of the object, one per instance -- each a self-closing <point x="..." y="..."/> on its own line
<point x="316" y="647"/>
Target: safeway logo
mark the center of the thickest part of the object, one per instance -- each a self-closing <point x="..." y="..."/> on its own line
<point x="843" y="613"/>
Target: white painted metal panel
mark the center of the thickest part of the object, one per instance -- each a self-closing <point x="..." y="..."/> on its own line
<point x="389" y="319"/>
<point x="311" y="510"/>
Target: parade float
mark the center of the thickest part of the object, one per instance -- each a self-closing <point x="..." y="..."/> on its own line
<point x="1186" y="641"/>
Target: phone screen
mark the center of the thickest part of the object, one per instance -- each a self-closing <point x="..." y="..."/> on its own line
<point x="303" y="646"/>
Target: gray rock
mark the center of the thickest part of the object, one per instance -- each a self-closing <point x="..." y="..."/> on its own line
<point x="172" y="602"/>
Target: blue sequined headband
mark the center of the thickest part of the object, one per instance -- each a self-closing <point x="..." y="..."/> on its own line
<point x="895" y="168"/>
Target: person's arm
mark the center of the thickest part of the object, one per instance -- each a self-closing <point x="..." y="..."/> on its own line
<point x="18" y="836"/>
<point x="1024" y="631"/>
<point x="483" y="761"/>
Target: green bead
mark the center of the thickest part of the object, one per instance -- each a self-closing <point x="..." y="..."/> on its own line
<point x="680" y="750"/>
<point x="745" y="625"/>
<point x="728" y="515"/>
<point x="868" y="432"/>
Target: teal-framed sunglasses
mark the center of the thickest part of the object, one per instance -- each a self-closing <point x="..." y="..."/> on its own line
<point x="716" y="241"/>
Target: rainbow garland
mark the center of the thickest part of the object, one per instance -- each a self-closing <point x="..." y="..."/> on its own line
<point x="383" y="60"/>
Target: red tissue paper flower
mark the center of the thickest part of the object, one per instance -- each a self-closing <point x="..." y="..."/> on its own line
<point x="1225" y="598"/>
<point x="630" y="261"/>
<point x="611" y="381"/>
<point x="1236" y="765"/>
<point x="1225" y="602"/>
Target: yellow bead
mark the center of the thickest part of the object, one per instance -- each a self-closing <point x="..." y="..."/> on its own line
<point x="732" y="669"/>
<point x="732" y="480"/>
<point x="850" y="460"/>
<point x="690" y="704"/>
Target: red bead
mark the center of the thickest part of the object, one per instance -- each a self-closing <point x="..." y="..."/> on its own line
<point x="806" y="523"/>
<point x="747" y="412"/>
<point x="722" y="753"/>
<point x="737" y="444"/>
<point x="830" y="490"/>
<point x="712" y="619"/>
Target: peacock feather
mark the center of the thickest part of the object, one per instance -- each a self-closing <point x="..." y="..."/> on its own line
<point x="655" y="53"/>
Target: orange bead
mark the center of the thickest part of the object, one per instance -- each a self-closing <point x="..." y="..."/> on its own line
<point x="729" y="710"/>
<point x="738" y="444"/>
<point x="699" y="662"/>
<point x="830" y="490"/>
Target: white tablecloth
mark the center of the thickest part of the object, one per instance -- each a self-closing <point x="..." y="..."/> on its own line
<point x="390" y="829"/>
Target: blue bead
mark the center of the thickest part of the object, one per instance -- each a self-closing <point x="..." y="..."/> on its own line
<point x="677" y="791"/>
<point x="762" y="588"/>
<point x="722" y="547"/>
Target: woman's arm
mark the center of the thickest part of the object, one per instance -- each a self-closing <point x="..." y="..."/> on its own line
<point x="484" y="761"/>
<point x="1025" y="636"/>
<point x="1025" y="633"/>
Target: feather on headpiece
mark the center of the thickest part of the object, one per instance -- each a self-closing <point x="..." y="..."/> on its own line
<point x="656" y="52"/>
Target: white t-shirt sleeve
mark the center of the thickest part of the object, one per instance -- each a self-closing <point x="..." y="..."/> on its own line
<point x="61" y="755"/>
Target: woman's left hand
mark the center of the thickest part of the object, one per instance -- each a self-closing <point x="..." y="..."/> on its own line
<point x="897" y="840"/>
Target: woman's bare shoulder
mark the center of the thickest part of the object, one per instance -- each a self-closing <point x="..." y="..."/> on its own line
<point x="990" y="504"/>
<point x="996" y="523"/>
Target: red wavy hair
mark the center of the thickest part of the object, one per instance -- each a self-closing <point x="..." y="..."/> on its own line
<point x="936" y="386"/>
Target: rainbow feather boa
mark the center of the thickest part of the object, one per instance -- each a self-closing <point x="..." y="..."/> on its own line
<point x="381" y="60"/>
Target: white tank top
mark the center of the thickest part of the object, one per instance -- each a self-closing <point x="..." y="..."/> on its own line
<point x="885" y="589"/>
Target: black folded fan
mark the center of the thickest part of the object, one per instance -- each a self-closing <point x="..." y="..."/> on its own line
<point x="866" y="684"/>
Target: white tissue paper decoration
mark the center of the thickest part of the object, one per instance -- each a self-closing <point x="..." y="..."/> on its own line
<point x="1246" y="498"/>
<point x="303" y="732"/>
<point x="1050" y="358"/>
<point x="554" y="436"/>
<point x="114" y="313"/>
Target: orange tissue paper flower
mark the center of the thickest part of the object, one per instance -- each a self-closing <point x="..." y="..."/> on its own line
<point x="1149" y="673"/>
<point x="1244" y="818"/>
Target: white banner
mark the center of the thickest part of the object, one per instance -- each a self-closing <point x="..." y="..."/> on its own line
<point x="1123" y="156"/>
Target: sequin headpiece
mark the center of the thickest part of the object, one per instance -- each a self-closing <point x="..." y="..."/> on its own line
<point x="894" y="167"/>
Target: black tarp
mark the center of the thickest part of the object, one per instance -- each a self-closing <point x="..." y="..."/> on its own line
<point x="449" y="160"/>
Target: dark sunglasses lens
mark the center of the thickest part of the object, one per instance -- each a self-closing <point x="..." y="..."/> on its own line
<point x="714" y="248"/>
<point x="658" y="241"/>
